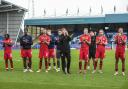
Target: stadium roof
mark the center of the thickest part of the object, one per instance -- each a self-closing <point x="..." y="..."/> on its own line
<point x="108" y="18"/>
<point x="6" y="6"/>
<point x="11" y="19"/>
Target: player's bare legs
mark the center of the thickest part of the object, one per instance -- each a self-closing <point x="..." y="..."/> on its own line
<point x="11" y="63"/>
<point x="24" y="64"/>
<point x="123" y="67"/>
<point x="116" y="66"/>
<point x="54" y="63"/>
<point x="49" y="64"/>
<point x="6" y="64"/>
<point x="80" y="66"/>
<point x="85" y="66"/>
<point x="30" y="65"/>
<point x="88" y="64"/>
<point x="92" y="62"/>
<point x="46" y="65"/>
<point x="95" y="65"/>
<point x="100" y="66"/>
<point x="40" y="65"/>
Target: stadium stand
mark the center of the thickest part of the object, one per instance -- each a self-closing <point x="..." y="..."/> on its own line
<point x="11" y="18"/>
<point x="75" y="25"/>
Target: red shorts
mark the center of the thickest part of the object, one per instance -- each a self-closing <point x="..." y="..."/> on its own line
<point x="51" y="53"/>
<point x="26" y="53"/>
<point x="100" y="52"/>
<point x="7" y="56"/>
<point x="120" y="53"/>
<point x="43" y="53"/>
<point x="84" y="54"/>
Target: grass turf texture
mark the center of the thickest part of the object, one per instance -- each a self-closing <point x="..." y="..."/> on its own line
<point x="53" y="80"/>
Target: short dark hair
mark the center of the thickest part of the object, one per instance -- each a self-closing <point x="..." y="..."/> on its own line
<point x="7" y="35"/>
<point x="120" y="27"/>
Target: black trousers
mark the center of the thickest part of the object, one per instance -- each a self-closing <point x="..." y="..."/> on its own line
<point x="66" y="61"/>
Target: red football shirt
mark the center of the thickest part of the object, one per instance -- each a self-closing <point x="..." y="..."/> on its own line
<point x="82" y="40"/>
<point x="7" y="49"/>
<point x="119" y="40"/>
<point x="42" y="40"/>
<point x="101" y="40"/>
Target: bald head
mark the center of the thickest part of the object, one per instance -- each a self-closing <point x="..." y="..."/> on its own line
<point x="120" y="30"/>
<point x="49" y="32"/>
<point x="101" y="32"/>
<point x="44" y="31"/>
<point x="85" y="30"/>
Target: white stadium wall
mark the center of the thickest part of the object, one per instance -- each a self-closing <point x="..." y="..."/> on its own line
<point x="11" y="18"/>
<point x="10" y="22"/>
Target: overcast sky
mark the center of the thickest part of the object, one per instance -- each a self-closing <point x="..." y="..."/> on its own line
<point x="61" y="5"/>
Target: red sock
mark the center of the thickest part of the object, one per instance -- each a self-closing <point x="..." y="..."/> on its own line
<point x="101" y="64"/>
<point x="11" y="63"/>
<point x="116" y="65"/>
<point x="85" y="65"/>
<point x="80" y="65"/>
<point x="95" y="65"/>
<point x="6" y="63"/>
<point x="123" y="65"/>
<point x="40" y="64"/>
<point x="123" y="69"/>
<point x="46" y="64"/>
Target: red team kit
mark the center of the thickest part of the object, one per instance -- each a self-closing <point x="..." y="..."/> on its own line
<point x="85" y="41"/>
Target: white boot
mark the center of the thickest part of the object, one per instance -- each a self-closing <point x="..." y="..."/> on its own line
<point x="49" y="68"/>
<point x="25" y="70"/>
<point x="38" y="71"/>
<point x="30" y="70"/>
<point x="94" y="71"/>
<point x="116" y="73"/>
<point x="123" y="73"/>
<point x="46" y="71"/>
<point x="57" y="70"/>
<point x="100" y="71"/>
<point x="88" y="67"/>
<point x="54" y="67"/>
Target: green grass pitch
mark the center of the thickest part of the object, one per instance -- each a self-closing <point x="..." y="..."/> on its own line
<point x="53" y="80"/>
